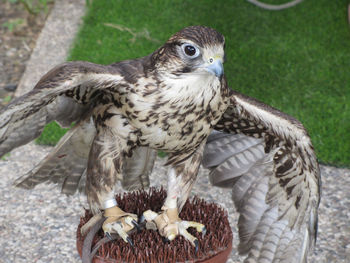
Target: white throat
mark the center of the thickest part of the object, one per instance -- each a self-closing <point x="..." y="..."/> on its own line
<point x="191" y="85"/>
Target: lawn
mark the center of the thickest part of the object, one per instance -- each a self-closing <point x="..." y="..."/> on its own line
<point x="297" y="60"/>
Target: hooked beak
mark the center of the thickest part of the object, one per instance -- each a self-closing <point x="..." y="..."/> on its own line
<point x="216" y="68"/>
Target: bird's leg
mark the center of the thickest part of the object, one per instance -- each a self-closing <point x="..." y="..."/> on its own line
<point x="180" y="181"/>
<point x="103" y="170"/>
<point x="120" y="222"/>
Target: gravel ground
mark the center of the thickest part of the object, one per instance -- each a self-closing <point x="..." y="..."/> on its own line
<point x="19" y="31"/>
<point x="53" y="44"/>
<point x="39" y="225"/>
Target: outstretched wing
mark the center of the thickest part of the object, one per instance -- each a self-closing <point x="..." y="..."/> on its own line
<point x="67" y="94"/>
<point x="267" y="158"/>
<point x="24" y="118"/>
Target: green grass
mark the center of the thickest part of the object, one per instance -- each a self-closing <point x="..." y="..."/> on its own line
<point x="297" y="60"/>
<point x="51" y="134"/>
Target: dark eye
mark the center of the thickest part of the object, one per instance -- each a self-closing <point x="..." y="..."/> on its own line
<point x="190" y="50"/>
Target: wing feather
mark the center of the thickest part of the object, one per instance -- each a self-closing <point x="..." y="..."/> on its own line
<point x="267" y="158"/>
<point x="231" y="155"/>
<point x="67" y="161"/>
<point x="24" y="118"/>
<point x="68" y="93"/>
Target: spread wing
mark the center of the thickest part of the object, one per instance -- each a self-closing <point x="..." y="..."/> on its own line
<point x="268" y="160"/>
<point x="52" y="99"/>
<point x="24" y="118"/>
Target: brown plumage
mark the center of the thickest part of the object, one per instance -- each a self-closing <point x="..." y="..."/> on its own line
<point x="172" y="100"/>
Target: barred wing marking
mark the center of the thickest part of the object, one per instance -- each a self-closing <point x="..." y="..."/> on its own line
<point x="17" y="133"/>
<point x="24" y="118"/>
<point x="66" y="163"/>
<point x="51" y="99"/>
<point x="274" y="177"/>
<point x="219" y="149"/>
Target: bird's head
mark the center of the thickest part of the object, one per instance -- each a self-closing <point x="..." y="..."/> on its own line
<point x="195" y="50"/>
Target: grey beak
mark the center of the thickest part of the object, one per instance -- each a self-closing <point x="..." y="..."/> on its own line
<point x="216" y="68"/>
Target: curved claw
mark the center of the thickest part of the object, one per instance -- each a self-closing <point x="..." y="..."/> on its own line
<point x="136" y="225"/>
<point x="166" y="240"/>
<point x="204" y="231"/>
<point x="142" y="219"/>
<point x="196" y="245"/>
<point x="184" y="225"/>
<point x="108" y="235"/>
<point x="183" y="232"/>
<point x="130" y="241"/>
<point x="121" y="228"/>
<point x="170" y="225"/>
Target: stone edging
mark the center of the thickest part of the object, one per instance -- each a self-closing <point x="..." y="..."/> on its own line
<point x="54" y="42"/>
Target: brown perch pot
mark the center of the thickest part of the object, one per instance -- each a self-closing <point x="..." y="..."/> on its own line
<point x="149" y="246"/>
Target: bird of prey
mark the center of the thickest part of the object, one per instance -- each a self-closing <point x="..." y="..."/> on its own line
<point x="175" y="100"/>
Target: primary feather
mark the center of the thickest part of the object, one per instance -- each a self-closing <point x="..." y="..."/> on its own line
<point x="267" y="158"/>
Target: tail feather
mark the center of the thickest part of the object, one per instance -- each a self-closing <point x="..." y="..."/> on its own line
<point x="138" y="168"/>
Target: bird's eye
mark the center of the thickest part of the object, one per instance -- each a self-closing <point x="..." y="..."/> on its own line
<point x="190" y="50"/>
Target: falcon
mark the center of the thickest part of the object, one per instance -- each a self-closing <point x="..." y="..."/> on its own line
<point x="175" y="100"/>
